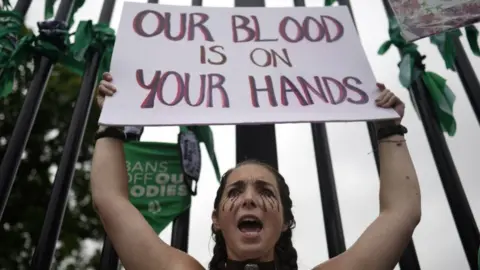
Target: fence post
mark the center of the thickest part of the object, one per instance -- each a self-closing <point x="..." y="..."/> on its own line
<point x="409" y="258"/>
<point x="459" y="206"/>
<point x="256" y="141"/>
<point x="28" y="113"/>
<point x="180" y="228"/>
<point x="326" y="182"/>
<point x="57" y="204"/>
<point x="22" y="6"/>
<point x="181" y="224"/>
<point x="467" y="76"/>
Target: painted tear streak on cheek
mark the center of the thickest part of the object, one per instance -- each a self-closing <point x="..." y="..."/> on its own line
<point x="266" y="203"/>
<point x="230" y="201"/>
<point x="272" y="202"/>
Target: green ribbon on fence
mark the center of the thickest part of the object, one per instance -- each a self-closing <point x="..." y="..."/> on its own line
<point x="446" y="46"/>
<point x="32" y="44"/>
<point x="99" y="37"/>
<point x="478" y="259"/>
<point x="204" y="134"/>
<point x="329" y="2"/>
<point x="472" y="37"/>
<point x="10" y="25"/>
<point x="444" y="100"/>
<point x="29" y="45"/>
<point x="48" y="12"/>
<point x="5" y="5"/>
<point x="411" y="68"/>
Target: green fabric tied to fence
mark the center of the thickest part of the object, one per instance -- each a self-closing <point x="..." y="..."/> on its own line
<point x="10" y="25"/>
<point x="446" y="46"/>
<point x="411" y="69"/>
<point x="99" y="37"/>
<point x="478" y="259"/>
<point x="5" y="4"/>
<point x="87" y="36"/>
<point x="472" y="37"/>
<point x="48" y="12"/>
<point x="204" y="134"/>
<point x="155" y="182"/>
<point x="32" y="44"/>
<point x="329" y="2"/>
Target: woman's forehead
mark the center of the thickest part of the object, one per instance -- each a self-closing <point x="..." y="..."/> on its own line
<point x="251" y="173"/>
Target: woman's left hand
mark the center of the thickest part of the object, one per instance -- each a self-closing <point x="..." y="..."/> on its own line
<point x="388" y="99"/>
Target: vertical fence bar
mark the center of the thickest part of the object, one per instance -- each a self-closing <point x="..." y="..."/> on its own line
<point x="326" y="181"/>
<point x="28" y="114"/>
<point x="43" y="254"/>
<point x="467" y="76"/>
<point x="180" y="229"/>
<point x="328" y="191"/>
<point x="181" y="224"/>
<point x="256" y="141"/>
<point x="457" y="200"/>
<point x="409" y="258"/>
<point x="22" y="6"/>
<point x="109" y="257"/>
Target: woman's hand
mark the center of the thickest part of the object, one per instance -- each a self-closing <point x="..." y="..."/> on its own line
<point x="105" y="88"/>
<point x="387" y="99"/>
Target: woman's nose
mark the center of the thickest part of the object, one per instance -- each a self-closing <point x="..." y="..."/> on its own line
<point x="249" y="198"/>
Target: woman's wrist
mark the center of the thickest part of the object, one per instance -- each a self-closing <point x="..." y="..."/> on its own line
<point x="110" y="132"/>
<point x="396" y="138"/>
<point x="388" y="130"/>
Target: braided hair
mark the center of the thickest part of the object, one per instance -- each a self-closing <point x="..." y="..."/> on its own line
<point x="285" y="253"/>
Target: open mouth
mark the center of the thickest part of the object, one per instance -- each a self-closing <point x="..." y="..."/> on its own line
<point x="250" y="224"/>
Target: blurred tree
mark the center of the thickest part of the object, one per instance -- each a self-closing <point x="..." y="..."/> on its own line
<point x="26" y="208"/>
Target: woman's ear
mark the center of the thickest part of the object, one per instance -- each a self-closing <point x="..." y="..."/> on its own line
<point x="284" y="227"/>
<point x="215" y="224"/>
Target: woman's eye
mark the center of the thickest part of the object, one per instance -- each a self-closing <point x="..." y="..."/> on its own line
<point x="267" y="192"/>
<point x="233" y="193"/>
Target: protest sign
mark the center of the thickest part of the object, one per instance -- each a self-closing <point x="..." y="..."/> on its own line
<point x="155" y="182"/>
<point x="177" y="65"/>
<point x="422" y="18"/>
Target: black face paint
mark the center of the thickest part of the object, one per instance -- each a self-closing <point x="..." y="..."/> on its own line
<point x="233" y="200"/>
<point x="267" y="197"/>
<point x="273" y="203"/>
<point x="233" y="196"/>
<point x="263" y="205"/>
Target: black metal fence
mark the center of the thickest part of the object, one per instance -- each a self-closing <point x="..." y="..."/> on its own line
<point x="256" y="142"/>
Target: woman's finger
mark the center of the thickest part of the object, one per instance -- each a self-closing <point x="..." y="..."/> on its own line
<point x="110" y="86"/>
<point x="382" y="96"/>
<point x="107" y="76"/>
<point x="104" y="91"/>
<point x="383" y="99"/>
<point x="391" y="102"/>
<point x="381" y="86"/>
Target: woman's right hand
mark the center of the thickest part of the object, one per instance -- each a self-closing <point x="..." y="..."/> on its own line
<point x="105" y="88"/>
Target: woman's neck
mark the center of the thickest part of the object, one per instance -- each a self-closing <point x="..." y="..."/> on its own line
<point x="249" y="265"/>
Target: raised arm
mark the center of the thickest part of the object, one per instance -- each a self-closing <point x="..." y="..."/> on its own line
<point x="135" y="242"/>
<point x="383" y="242"/>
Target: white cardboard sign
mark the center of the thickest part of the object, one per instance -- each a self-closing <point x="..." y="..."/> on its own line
<point x="175" y="65"/>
